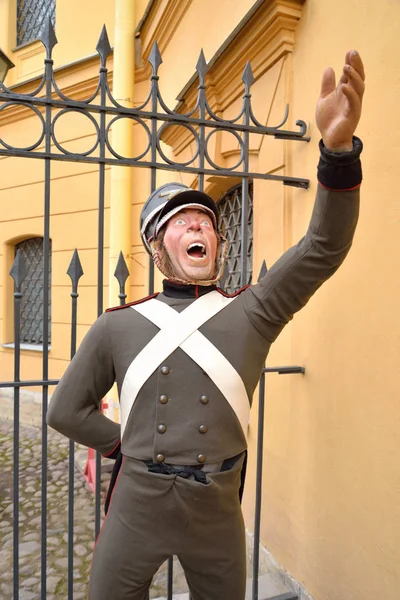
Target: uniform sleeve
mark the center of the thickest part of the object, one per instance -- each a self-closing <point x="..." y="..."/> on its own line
<point x="296" y="276"/>
<point x="74" y="406"/>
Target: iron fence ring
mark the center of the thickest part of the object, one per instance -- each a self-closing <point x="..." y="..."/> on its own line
<point x="82" y="112"/>
<point x="5" y="90"/>
<point x="192" y="131"/>
<point x="63" y="96"/>
<point x="215" y="117"/>
<point x="38" y="113"/>
<point x="241" y="144"/>
<point x="117" y="105"/>
<point x="133" y="118"/>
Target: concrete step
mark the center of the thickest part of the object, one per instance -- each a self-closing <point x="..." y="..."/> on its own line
<point x="268" y="589"/>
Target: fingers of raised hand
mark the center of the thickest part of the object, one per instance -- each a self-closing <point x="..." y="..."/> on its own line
<point x="354" y="60"/>
<point x="354" y="99"/>
<point x="353" y="78"/>
<point x="328" y="83"/>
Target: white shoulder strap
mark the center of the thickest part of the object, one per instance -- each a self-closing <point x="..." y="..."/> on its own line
<point x="180" y="330"/>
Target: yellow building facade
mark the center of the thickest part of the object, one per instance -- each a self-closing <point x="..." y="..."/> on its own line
<point x="331" y="485"/>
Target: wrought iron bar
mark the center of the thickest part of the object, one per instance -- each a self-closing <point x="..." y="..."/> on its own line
<point x="247" y="79"/>
<point x="18" y="273"/>
<point x="259" y="473"/>
<point x="290" y="370"/>
<point x="257" y="517"/>
<point x="202" y="70"/>
<point x="170" y="578"/>
<point x="75" y="272"/>
<point x="27" y="383"/>
<point x="286" y="180"/>
<point x="103" y="49"/>
<point x="155" y="61"/>
<point x="49" y="40"/>
<point x="27" y="99"/>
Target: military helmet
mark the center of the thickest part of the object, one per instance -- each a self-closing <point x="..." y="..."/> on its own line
<point x="167" y="200"/>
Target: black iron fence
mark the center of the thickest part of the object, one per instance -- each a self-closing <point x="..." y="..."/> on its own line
<point x="48" y="103"/>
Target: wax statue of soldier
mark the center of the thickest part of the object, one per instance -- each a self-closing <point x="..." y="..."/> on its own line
<point x="187" y="361"/>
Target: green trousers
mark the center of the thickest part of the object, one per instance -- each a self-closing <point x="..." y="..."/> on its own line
<point x="154" y="516"/>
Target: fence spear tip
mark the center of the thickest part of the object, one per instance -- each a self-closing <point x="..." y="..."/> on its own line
<point x="248" y="77"/>
<point x="103" y="46"/>
<point x="202" y="66"/>
<point x="155" y="58"/>
<point x="263" y="271"/>
<point x="121" y="272"/>
<point x="19" y="270"/>
<point x="48" y="37"/>
<point x="75" y="270"/>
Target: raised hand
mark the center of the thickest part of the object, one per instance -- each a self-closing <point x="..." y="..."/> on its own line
<point x="339" y="107"/>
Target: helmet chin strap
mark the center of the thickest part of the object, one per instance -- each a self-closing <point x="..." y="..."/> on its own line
<point x="163" y="263"/>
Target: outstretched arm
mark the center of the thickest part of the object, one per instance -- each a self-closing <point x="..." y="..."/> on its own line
<point x="295" y="277"/>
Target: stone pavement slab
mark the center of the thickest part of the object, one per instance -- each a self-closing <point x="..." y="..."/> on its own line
<point x="57" y="519"/>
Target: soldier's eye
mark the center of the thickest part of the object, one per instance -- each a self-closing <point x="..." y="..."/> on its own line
<point x="180" y="221"/>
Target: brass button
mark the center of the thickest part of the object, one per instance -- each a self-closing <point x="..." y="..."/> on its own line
<point x="201" y="458"/>
<point x="164" y="398"/>
<point x="165" y="370"/>
<point x="203" y="428"/>
<point x="160" y="458"/>
<point x="161" y="428"/>
<point x="204" y="399"/>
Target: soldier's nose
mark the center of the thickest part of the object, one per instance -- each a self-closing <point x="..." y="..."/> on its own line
<point x="194" y="225"/>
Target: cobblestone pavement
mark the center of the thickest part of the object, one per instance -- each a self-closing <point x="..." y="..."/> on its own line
<point x="57" y="521"/>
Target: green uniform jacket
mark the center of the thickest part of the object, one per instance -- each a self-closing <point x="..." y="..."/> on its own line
<point x="182" y="398"/>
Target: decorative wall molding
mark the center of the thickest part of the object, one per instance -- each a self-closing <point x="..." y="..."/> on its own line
<point x="160" y="25"/>
<point x="266" y="38"/>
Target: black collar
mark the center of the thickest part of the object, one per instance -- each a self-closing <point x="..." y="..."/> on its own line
<point x="178" y="290"/>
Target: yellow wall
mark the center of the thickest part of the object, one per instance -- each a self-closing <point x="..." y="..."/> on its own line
<point x="331" y="500"/>
<point x="331" y="482"/>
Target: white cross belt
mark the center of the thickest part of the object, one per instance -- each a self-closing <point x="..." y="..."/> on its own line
<point x="180" y="330"/>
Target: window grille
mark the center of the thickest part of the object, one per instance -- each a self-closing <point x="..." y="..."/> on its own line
<point x="31" y="18"/>
<point x="230" y="207"/>
<point x="32" y="291"/>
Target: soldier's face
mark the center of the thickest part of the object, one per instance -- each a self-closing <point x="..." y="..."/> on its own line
<point x="191" y="243"/>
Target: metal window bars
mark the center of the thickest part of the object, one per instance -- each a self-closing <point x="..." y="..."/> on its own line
<point x="48" y="104"/>
<point x="31" y="18"/>
<point x="32" y="300"/>
<point x="230" y="207"/>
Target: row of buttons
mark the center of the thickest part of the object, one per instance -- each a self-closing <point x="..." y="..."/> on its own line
<point x="162" y="428"/>
<point x="201" y="458"/>
<point x="164" y="399"/>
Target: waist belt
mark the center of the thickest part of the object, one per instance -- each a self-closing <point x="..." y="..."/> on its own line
<point x="189" y="471"/>
<point x="184" y="472"/>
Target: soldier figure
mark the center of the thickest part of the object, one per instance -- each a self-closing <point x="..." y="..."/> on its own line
<point x="187" y="361"/>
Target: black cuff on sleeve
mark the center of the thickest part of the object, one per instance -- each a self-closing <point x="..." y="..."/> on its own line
<point x="340" y="170"/>
<point x="114" y="453"/>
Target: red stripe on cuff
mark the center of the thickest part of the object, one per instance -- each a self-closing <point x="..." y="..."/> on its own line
<point x="113" y="450"/>
<point x="340" y="190"/>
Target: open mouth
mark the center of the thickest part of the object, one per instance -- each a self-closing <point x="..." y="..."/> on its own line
<point x="196" y="250"/>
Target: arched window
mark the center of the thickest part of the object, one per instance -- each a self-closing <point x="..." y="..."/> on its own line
<point x="32" y="291"/>
<point x="32" y="16"/>
<point x="230" y="207"/>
